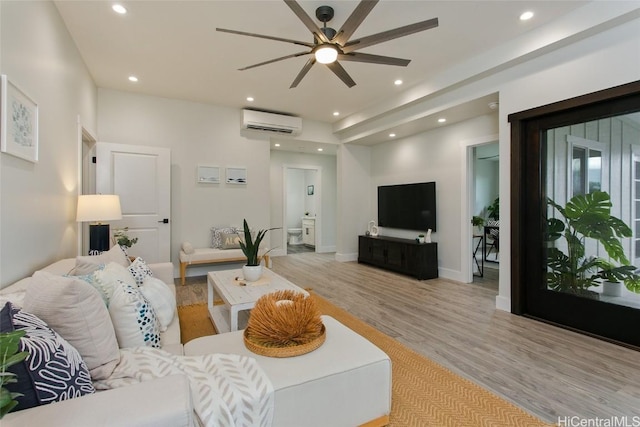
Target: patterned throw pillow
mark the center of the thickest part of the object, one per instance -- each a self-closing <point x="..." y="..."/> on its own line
<point x="139" y="270"/>
<point x="216" y="235"/>
<point x="161" y="298"/>
<point x="53" y="370"/>
<point x="230" y="241"/>
<point x="133" y="318"/>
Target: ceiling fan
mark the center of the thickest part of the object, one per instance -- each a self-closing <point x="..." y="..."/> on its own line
<point x="330" y="45"/>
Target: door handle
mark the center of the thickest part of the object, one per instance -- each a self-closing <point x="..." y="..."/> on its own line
<point x="164" y="221"/>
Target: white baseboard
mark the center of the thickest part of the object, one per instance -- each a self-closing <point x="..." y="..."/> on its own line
<point x="503" y="303"/>
<point x="446" y="273"/>
<point x="325" y="249"/>
<point x="346" y="257"/>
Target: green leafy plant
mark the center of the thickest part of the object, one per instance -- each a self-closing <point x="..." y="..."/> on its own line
<point x="477" y="221"/>
<point x="9" y="355"/>
<point x="123" y="239"/>
<point x="493" y="210"/>
<point x="587" y="216"/>
<point x="250" y="246"/>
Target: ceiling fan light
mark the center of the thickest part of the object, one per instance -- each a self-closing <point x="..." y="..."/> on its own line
<point x="326" y="54"/>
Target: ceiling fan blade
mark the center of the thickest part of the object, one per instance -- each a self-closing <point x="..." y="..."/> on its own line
<point x="354" y="20"/>
<point x="303" y="72"/>
<point x="294" y="55"/>
<point x="341" y="73"/>
<point x="373" y="59"/>
<point x="390" y="35"/>
<point x="306" y="20"/>
<point x="260" y="36"/>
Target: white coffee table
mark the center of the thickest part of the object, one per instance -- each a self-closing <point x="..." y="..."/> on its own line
<point x="237" y="298"/>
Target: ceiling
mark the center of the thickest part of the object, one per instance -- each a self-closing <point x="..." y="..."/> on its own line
<point x="175" y="51"/>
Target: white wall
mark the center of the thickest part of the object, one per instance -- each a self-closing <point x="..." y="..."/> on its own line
<point x="431" y="156"/>
<point x="325" y="191"/>
<point x="196" y="134"/>
<point x="487" y="174"/>
<point x="354" y="202"/>
<point x="310" y="179"/>
<point x="38" y="201"/>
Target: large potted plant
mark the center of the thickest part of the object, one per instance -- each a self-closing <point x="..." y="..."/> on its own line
<point x="587" y="216"/>
<point x="251" y="247"/>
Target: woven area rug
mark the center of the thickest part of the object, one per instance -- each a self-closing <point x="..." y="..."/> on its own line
<point x="423" y="392"/>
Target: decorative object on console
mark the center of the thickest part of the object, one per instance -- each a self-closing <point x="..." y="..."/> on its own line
<point x="97" y="208"/>
<point x="18" y="122"/>
<point x="250" y="247"/>
<point x="372" y="229"/>
<point x="284" y="324"/>
<point x="420" y="238"/>
<point x="427" y="238"/>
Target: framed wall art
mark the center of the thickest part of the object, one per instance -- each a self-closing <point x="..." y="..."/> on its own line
<point x="310" y="190"/>
<point x="18" y="122"/>
<point x="236" y="175"/>
<point x="208" y="174"/>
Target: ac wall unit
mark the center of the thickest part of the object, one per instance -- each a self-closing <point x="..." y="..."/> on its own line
<point x="271" y="122"/>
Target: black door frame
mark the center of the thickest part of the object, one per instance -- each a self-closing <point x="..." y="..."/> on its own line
<point x="529" y="296"/>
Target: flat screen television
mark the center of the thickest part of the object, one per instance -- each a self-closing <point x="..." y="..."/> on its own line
<point x="408" y="206"/>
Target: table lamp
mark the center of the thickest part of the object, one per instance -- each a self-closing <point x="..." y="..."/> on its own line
<point x="96" y="208"/>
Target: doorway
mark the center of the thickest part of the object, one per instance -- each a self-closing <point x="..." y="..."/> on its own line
<point x="480" y="174"/>
<point x="486" y="215"/>
<point x="301" y="210"/>
<point x="574" y="182"/>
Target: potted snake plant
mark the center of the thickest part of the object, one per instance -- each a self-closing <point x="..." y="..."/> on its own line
<point x="251" y="248"/>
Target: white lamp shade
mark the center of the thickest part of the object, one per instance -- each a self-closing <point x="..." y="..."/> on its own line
<point x="326" y="54"/>
<point x="98" y="207"/>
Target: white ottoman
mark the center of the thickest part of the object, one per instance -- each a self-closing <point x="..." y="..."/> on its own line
<point x="345" y="382"/>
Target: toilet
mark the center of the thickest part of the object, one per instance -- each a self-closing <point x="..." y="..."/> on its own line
<point x="294" y="236"/>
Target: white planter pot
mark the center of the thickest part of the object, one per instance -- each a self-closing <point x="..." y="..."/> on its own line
<point x="612" y="289"/>
<point x="252" y="273"/>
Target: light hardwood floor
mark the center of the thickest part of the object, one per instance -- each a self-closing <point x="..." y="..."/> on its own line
<point x="548" y="371"/>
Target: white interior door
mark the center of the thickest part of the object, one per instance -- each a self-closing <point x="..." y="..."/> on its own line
<point x="141" y="176"/>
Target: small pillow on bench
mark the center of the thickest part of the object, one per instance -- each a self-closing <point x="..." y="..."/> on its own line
<point x="230" y="241"/>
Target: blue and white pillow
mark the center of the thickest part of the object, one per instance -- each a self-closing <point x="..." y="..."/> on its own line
<point x="53" y="370"/>
<point x="139" y="270"/>
<point x="133" y="317"/>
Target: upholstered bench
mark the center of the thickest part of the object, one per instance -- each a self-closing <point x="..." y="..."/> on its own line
<point x="345" y="382"/>
<point x="198" y="256"/>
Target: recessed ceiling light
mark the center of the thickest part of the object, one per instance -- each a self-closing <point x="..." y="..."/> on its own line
<point x="250" y="98"/>
<point x="133" y="79"/>
<point x="336" y="113"/>
<point x="118" y="8"/>
<point x="276" y="145"/>
<point x="320" y="149"/>
<point x="442" y="120"/>
<point x="392" y="135"/>
<point x="397" y="82"/>
<point x="526" y="15"/>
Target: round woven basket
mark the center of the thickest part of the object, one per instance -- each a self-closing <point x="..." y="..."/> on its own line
<point x="290" y="351"/>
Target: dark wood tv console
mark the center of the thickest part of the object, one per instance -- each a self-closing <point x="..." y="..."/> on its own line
<point x="401" y="255"/>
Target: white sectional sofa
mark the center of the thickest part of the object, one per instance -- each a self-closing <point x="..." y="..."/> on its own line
<point x="346" y="382"/>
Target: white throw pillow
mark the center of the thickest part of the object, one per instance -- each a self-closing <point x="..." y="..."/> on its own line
<point x="133" y="318"/>
<point x="75" y="310"/>
<point x="139" y="270"/>
<point x="161" y="298"/>
<point x="89" y="264"/>
<point x="107" y="279"/>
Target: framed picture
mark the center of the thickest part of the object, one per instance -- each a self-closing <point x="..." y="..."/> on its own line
<point x="310" y="189"/>
<point x="18" y="122"/>
<point x="208" y="175"/>
<point x="236" y="175"/>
